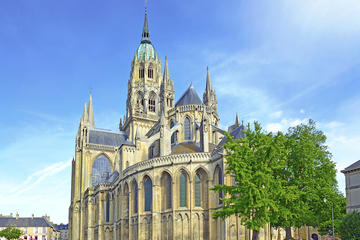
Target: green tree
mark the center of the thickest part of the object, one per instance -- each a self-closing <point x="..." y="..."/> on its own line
<point x="252" y="162"/>
<point x="349" y="228"/>
<point x="308" y="177"/>
<point x="11" y="233"/>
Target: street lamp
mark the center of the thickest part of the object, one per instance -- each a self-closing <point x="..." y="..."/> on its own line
<point x="332" y="218"/>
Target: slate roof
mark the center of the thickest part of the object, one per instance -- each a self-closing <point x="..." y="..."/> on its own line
<point x="23" y="222"/>
<point x="237" y="133"/>
<point x="107" y="137"/>
<point x="189" y="97"/>
<point x="112" y="177"/>
<point x="62" y="226"/>
<point x="354" y="166"/>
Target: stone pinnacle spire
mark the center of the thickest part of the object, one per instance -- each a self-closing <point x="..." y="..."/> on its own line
<point x="145" y="37"/>
<point x="91" y="112"/>
<point x="237" y="122"/>
<point x="85" y="115"/>
<point x="208" y="81"/>
<point x="166" y="76"/>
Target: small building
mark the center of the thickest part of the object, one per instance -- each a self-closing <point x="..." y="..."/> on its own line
<point x="34" y="228"/>
<point x="63" y="231"/>
<point x="352" y="180"/>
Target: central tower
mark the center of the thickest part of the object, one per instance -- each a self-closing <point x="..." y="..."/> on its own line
<point x="144" y="88"/>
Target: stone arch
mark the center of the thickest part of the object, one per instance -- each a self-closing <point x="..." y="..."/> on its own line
<point x="147" y="193"/>
<point x="152" y="101"/>
<point x="183" y="186"/>
<point x="134" y="197"/>
<point x="170" y="227"/>
<point x="101" y="169"/>
<point x="196" y="227"/>
<point x="146" y="228"/>
<point x="125" y="214"/>
<point x="218" y="179"/>
<point x="164" y="227"/>
<point x="166" y="190"/>
<point x="201" y="187"/>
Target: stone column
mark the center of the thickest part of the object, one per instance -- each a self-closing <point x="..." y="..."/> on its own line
<point x="101" y="217"/>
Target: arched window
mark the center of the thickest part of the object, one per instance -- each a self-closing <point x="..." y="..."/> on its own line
<point x="150" y="72"/>
<point x="135" y="197"/>
<point x="173" y="136"/>
<point x="152" y="101"/>
<point x="139" y="102"/>
<point x="141" y="73"/>
<point x="197" y="182"/>
<point x="148" y="194"/>
<point x="219" y="181"/>
<point x="107" y="211"/>
<point x="101" y="170"/>
<point x="187" y="130"/>
<point x="183" y="188"/>
<point x="166" y="191"/>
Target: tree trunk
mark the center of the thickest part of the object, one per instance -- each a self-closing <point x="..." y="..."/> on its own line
<point x="288" y="233"/>
<point x="255" y="235"/>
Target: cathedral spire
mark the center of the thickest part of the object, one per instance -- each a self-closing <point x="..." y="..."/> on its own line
<point x="145" y="33"/>
<point x="237" y="122"/>
<point x="208" y="81"/>
<point x="84" y="117"/>
<point x="166" y="76"/>
<point x="91" y="112"/>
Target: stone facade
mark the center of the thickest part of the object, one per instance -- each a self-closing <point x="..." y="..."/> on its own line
<point x="352" y="181"/>
<point x="152" y="178"/>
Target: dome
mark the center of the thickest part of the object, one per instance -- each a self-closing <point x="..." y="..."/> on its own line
<point x="145" y="51"/>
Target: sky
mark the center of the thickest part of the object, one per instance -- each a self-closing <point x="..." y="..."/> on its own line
<point x="275" y="61"/>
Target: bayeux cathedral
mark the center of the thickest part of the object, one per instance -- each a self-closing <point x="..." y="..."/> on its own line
<point x="152" y="179"/>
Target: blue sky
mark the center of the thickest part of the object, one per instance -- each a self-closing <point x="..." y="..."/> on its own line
<point x="279" y="62"/>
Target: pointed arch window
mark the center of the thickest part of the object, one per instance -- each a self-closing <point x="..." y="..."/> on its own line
<point x="107" y="211"/>
<point x="183" y="190"/>
<point x="152" y="101"/>
<point x="150" y="72"/>
<point x="135" y="197"/>
<point x="101" y="170"/>
<point x="220" y="183"/>
<point x="187" y="130"/>
<point x="197" y="181"/>
<point x="148" y="194"/>
<point x="141" y="72"/>
<point x="173" y="136"/>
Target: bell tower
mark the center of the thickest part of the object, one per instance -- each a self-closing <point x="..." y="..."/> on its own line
<point x="143" y="100"/>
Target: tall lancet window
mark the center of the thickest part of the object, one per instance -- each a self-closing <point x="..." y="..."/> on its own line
<point x="135" y="197"/>
<point x="183" y="190"/>
<point x="152" y="102"/>
<point x="107" y="211"/>
<point x="150" y="72"/>
<point x="148" y="193"/>
<point x="197" y="190"/>
<point x="187" y="130"/>
<point x="141" y="73"/>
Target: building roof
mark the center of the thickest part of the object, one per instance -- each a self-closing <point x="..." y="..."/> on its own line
<point x="189" y="97"/>
<point x="236" y="133"/>
<point x="354" y="166"/>
<point x="23" y="222"/>
<point x="62" y="226"/>
<point x="107" y="137"/>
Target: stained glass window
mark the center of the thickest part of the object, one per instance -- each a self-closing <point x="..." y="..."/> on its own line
<point x="107" y="214"/>
<point x="197" y="190"/>
<point x="135" y="197"/>
<point x="187" y="130"/>
<point x="183" y="190"/>
<point x="169" y="191"/>
<point x="101" y="170"/>
<point x="148" y="193"/>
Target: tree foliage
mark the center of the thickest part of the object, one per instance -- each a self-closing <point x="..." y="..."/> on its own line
<point x="11" y="233"/>
<point x="252" y="162"/>
<point x="349" y="228"/>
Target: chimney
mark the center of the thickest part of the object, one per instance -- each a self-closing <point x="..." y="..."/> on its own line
<point x="17" y="215"/>
<point x="32" y="216"/>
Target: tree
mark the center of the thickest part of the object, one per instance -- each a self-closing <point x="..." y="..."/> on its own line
<point x="349" y="228"/>
<point x="252" y="162"/>
<point x="11" y="233"/>
<point x="308" y="177"/>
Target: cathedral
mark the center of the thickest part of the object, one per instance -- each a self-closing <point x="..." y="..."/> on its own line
<point x="152" y="179"/>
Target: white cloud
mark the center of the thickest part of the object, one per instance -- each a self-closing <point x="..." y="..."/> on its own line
<point x="276" y="114"/>
<point x="284" y="124"/>
<point x="302" y="111"/>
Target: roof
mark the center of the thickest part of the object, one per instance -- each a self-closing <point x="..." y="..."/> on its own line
<point x="189" y="97"/>
<point x="107" y="137"/>
<point x="62" y="226"/>
<point x="236" y="133"/>
<point x="23" y="222"/>
<point x="354" y="166"/>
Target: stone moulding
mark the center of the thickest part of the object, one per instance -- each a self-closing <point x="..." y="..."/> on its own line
<point x="167" y="160"/>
